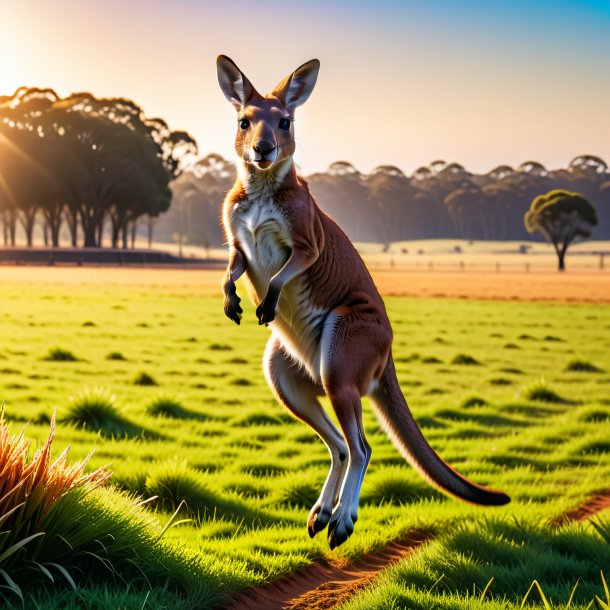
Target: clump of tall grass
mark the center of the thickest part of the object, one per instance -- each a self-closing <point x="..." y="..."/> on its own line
<point x="115" y="356"/>
<point x="541" y="392"/>
<point x="165" y="406"/>
<point x="59" y="354"/>
<point x="144" y="379"/>
<point x="175" y="485"/>
<point x="95" y="410"/>
<point x="296" y="490"/>
<point x="30" y="490"/>
<point x="394" y="486"/>
<point x="473" y="401"/>
<point x="576" y="365"/>
<point x="464" y="359"/>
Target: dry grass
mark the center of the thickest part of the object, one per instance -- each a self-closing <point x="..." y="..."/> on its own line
<point x="543" y="286"/>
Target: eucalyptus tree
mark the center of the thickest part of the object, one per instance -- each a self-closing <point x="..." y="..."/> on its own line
<point x="561" y="216"/>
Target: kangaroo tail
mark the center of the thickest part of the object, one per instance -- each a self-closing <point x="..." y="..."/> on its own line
<point x="395" y="416"/>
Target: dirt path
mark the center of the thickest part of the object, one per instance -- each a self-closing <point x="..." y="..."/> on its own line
<point x="589" y="508"/>
<point x="324" y="584"/>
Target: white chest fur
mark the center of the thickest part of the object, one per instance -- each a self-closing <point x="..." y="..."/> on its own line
<point x="261" y="230"/>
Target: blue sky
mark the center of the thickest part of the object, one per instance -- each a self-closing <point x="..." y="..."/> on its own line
<point x="401" y="82"/>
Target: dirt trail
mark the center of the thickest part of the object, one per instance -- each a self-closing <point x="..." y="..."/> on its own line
<point x="589" y="508"/>
<point x="324" y="584"/>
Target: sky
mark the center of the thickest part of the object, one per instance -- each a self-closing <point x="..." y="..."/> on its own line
<point x="401" y="82"/>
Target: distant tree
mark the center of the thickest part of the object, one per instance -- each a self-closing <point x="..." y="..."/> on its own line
<point x="561" y="216"/>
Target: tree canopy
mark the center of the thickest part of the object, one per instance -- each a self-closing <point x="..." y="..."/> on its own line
<point x="561" y="216"/>
<point x="84" y="160"/>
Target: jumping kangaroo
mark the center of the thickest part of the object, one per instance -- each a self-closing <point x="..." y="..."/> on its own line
<point x="330" y="333"/>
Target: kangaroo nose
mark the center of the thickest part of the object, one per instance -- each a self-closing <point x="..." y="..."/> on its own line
<point x="264" y="147"/>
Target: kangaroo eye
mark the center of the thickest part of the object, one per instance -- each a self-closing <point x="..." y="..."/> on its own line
<point x="244" y="123"/>
<point x="285" y="124"/>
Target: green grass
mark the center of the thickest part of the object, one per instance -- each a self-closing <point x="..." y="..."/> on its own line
<point x="249" y="472"/>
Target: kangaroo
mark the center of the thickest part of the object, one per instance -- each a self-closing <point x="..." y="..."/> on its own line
<point x="330" y="333"/>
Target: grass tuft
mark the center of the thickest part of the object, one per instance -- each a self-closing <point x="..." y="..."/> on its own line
<point x="464" y="359"/>
<point x="144" y="379"/>
<point x="473" y="401"/>
<point x="541" y="392"/>
<point x="58" y="354"/>
<point x="164" y="406"/>
<point x="95" y="410"/>
<point x="32" y="488"/>
<point x="395" y="486"/>
<point x="298" y="491"/>
<point x="115" y="356"/>
<point x="577" y="365"/>
<point x="174" y="483"/>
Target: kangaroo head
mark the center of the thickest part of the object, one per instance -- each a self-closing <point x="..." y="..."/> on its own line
<point x="265" y="129"/>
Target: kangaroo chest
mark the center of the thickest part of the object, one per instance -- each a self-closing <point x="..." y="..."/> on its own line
<point x="262" y="232"/>
<point x="264" y="237"/>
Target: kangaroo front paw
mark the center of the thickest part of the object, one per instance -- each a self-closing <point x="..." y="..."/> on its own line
<point x="233" y="308"/>
<point x="265" y="312"/>
<point x="340" y="527"/>
<point x="318" y="519"/>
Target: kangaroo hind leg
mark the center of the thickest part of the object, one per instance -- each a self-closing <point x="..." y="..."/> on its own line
<point x="299" y="394"/>
<point x="355" y="347"/>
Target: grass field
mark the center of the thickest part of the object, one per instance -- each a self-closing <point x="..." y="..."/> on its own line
<point x="147" y="371"/>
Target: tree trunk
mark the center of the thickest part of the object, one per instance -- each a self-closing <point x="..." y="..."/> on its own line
<point x="28" y="221"/>
<point x="115" y="228"/>
<point x="134" y="230"/>
<point x="100" y="232"/>
<point x="91" y="221"/>
<point x="55" y="228"/>
<point x="12" y="226"/>
<point x="561" y="254"/>
<point x="45" y="233"/>
<point x="89" y="230"/>
<point x="151" y="225"/>
<point x="5" y="228"/>
<point x="72" y="216"/>
<point x="125" y="233"/>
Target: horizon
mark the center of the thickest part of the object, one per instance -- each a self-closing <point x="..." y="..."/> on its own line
<point x="474" y="89"/>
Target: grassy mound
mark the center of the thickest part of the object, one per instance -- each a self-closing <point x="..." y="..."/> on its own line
<point x="164" y="406"/>
<point x="541" y="392"/>
<point x="95" y="410"/>
<point x="297" y="490"/>
<point x="577" y="365"/>
<point x="395" y="486"/>
<point x="176" y="485"/>
<point x="144" y="379"/>
<point x="473" y="401"/>
<point x="58" y="354"/>
<point x="464" y="359"/>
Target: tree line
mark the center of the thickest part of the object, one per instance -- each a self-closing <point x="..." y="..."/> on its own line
<point x="85" y="163"/>
<point x="441" y="200"/>
<point x="89" y="166"/>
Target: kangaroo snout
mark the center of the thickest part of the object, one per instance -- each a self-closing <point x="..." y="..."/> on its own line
<point x="265" y="153"/>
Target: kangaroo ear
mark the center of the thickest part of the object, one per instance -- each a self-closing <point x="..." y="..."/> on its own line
<point x="296" y="88"/>
<point x="233" y="82"/>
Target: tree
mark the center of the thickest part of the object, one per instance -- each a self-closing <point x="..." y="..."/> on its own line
<point x="561" y="216"/>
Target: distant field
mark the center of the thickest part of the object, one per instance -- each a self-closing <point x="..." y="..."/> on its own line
<point x="513" y="394"/>
<point x="460" y="255"/>
<point x="551" y="286"/>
